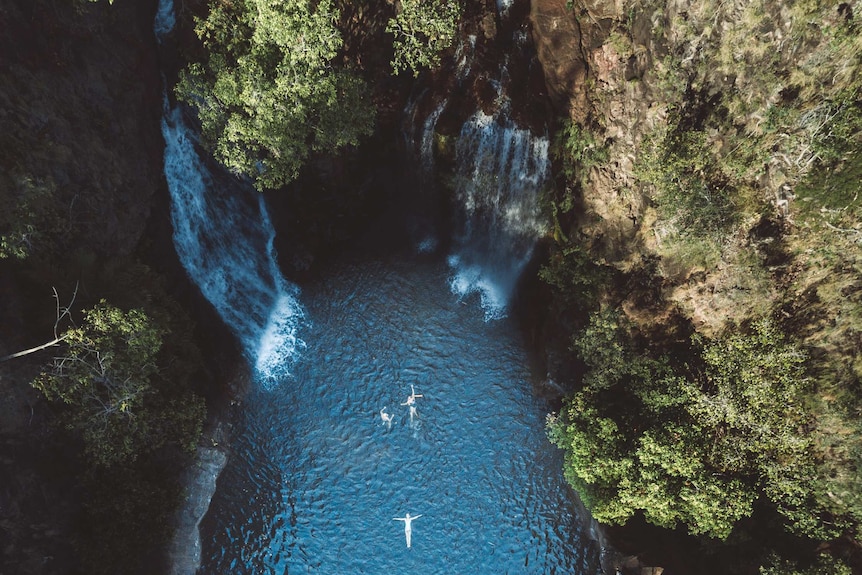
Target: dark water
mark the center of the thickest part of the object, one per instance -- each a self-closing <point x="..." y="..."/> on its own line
<point x="315" y="478"/>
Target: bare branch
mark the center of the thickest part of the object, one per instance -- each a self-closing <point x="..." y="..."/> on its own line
<point x="61" y="313"/>
<point x="66" y="310"/>
<point x="33" y="349"/>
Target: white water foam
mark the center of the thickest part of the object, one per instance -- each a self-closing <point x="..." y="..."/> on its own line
<point x="503" y="6"/>
<point x="224" y="239"/>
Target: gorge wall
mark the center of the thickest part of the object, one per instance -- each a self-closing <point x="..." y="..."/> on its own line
<point x="708" y="175"/>
<point x="80" y="179"/>
<point x="625" y="70"/>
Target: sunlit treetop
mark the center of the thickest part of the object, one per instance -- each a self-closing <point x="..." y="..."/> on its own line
<point x="268" y="94"/>
<point x="423" y="29"/>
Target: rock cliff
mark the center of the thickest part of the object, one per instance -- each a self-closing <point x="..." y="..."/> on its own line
<point x="729" y="137"/>
<point x="80" y="164"/>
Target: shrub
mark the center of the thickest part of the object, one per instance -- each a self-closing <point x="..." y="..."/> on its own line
<point x="422" y="29"/>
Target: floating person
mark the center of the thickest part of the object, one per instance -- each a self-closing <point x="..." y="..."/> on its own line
<point x="387" y="418"/>
<point x="411" y="402"/>
<point x="411" y="399"/>
<point x="408" y="529"/>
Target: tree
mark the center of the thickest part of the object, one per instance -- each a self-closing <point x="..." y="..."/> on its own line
<point x="694" y="448"/>
<point x="105" y="378"/>
<point x="823" y="565"/>
<point x="30" y="221"/>
<point x="423" y="29"/>
<point x="269" y="94"/>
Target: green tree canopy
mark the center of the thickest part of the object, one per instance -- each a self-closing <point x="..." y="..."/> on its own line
<point x="269" y="94"/>
<point x="695" y="449"/>
<point x="105" y="375"/>
<point x="423" y="29"/>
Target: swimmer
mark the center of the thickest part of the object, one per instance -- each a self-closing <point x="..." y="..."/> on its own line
<point x="387" y="418"/>
<point x="411" y="399"/>
<point x="408" y="530"/>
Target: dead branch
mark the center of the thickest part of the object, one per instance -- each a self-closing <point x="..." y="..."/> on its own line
<point x="61" y="313"/>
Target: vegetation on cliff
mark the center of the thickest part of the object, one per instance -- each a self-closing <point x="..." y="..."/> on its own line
<point x="95" y="473"/>
<point x="271" y="92"/>
<point x="422" y="30"/>
<point x="119" y="394"/>
<point x="268" y="95"/>
<point x="719" y="239"/>
<point x="695" y="444"/>
<point x="706" y="257"/>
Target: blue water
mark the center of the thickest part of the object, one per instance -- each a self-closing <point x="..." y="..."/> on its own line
<point x="315" y="478"/>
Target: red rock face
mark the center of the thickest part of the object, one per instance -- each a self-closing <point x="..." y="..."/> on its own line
<point x="559" y="45"/>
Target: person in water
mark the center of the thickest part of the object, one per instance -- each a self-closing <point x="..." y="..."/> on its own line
<point x="408" y="529"/>
<point x="411" y="399"/>
<point x="411" y="402"/>
<point x="386" y="417"/>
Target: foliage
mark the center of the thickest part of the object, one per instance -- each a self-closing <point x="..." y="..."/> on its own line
<point x="269" y="95"/>
<point x="423" y="29"/>
<point x="694" y="446"/>
<point x="824" y="565"/>
<point x="763" y="123"/>
<point x="105" y="376"/>
<point x="691" y="186"/>
<point x="575" y="277"/>
<point x="32" y="224"/>
<point x="831" y="189"/>
<point x="576" y="148"/>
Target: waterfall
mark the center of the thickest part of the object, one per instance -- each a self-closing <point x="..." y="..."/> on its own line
<point x="224" y="239"/>
<point x="464" y="59"/>
<point x="423" y="136"/>
<point x="165" y="19"/>
<point x="500" y="170"/>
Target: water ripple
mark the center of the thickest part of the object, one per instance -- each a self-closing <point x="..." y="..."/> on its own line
<point x="316" y="478"/>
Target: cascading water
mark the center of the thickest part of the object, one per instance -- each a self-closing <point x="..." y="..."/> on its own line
<point x="500" y="170"/>
<point x="499" y="175"/>
<point x="425" y="137"/>
<point x="165" y="19"/>
<point x="419" y="132"/>
<point x="504" y="5"/>
<point x="224" y="239"/>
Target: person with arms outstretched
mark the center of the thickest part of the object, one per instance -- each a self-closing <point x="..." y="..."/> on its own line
<point x="408" y="529"/>
<point x="411" y="401"/>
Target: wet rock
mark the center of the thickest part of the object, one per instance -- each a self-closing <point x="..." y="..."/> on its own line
<point x="200" y="483"/>
<point x="557" y="36"/>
